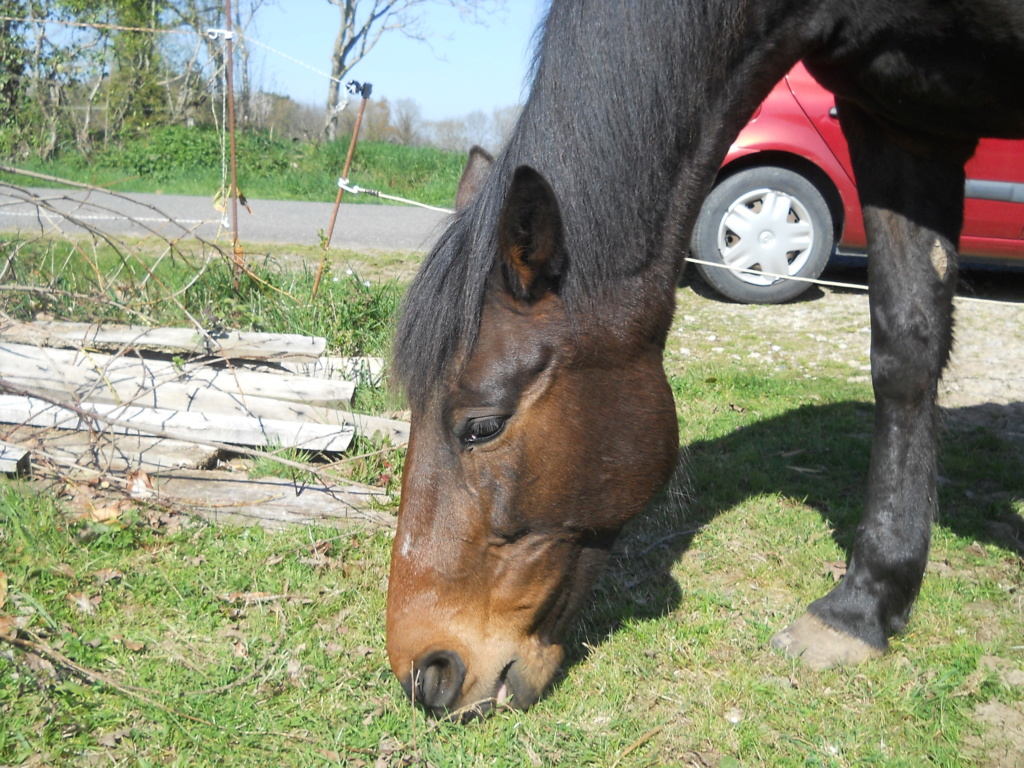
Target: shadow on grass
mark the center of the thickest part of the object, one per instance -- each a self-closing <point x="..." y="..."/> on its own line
<point x="817" y="455"/>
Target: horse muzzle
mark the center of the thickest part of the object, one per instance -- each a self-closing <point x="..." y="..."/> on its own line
<point x="442" y="682"/>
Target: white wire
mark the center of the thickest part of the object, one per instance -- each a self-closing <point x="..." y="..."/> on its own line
<point x="355" y="190"/>
<point x="759" y="273"/>
<point x="290" y="58"/>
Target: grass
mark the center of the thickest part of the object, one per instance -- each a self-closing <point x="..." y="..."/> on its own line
<point x="184" y="161"/>
<point x="198" y="645"/>
<point x="144" y="281"/>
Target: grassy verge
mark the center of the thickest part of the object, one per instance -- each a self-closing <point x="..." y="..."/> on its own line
<point x="177" y="160"/>
<point x="191" y="644"/>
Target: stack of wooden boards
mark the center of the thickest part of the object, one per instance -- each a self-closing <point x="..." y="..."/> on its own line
<point x="115" y="399"/>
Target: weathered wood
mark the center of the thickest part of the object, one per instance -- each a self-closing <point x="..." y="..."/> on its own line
<point x="128" y="378"/>
<point x="76" y="376"/>
<point x="396" y="431"/>
<point x="14" y="460"/>
<point x="227" y="498"/>
<point x="93" y="453"/>
<point x="182" y="425"/>
<point x="355" y="369"/>
<point x="171" y="341"/>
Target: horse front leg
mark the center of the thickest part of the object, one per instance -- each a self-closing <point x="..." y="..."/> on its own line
<point x="911" y="192"/>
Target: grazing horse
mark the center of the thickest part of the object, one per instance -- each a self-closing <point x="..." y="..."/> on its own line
<point x="531" y="340"/>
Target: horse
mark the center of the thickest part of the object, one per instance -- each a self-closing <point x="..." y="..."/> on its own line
<point x="530" y="343"/>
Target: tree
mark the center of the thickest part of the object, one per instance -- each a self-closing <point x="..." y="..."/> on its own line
<point x="408" y="120"/>
<point x="362" y="24"/>
<point x="12" y="67"/>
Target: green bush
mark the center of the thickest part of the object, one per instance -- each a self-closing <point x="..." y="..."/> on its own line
<point x="174" y="150"/>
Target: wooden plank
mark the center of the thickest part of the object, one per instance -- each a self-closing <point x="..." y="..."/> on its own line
<point x="396" y="431"/>
<point x="170" y="341"/>
<point x="127" y="378"/>
<point x="14" y="460"/>
<point x="92" y="453"/>
<point x="64" y="375"/>
<point x="226" y="498"/>
<point x="181" y="425"/>
<point x="355" y="369"/>
<point x="187" y="397"/>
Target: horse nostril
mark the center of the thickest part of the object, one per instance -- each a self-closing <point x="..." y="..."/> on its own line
<point x="437" y="680"/>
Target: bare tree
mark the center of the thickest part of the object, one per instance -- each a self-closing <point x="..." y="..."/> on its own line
<point x="450" y="135"/>
<point x="477" y="128"/>
<point x="503" y="120"/>
<point x="362" y="24"/>
<point x="408" y="122"/>
<point x="202" y="16"/>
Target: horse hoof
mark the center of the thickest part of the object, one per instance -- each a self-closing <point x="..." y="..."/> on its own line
<point x="819" y="646"/>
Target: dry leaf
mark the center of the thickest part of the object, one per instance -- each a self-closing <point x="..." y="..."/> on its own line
<point x="8" y="628"/>
<point x="107" y="574"/>
<point x="65" y="570"/>
<point x="105" y="514"/>
<point x="84" y="603"/>
<point x="273" y="560"/>
<point x="333" y="649"/>
<point x="836" y="569"/>
<point x="111" y="738"/>
<point x="3" y="588"/>
<point x="38" y="664"/>
<point x="140" y="486"/>
<point x="134" y="645"/>
<point x="318" y="561"/>
<point x="321" y="547"/>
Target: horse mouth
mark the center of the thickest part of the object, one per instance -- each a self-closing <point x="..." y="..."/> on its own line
<point x="510" y="691"/>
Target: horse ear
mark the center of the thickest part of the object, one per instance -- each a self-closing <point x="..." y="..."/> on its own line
<point x="478" y="166"/>
<point x="530" y="236"/>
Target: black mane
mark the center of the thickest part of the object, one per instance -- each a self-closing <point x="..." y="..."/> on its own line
<point x="584" y="108"/>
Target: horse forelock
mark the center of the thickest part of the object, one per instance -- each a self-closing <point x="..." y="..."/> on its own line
<point x="440" y="315"/>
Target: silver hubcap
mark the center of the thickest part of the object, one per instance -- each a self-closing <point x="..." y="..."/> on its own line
<point x="767" y="231"/>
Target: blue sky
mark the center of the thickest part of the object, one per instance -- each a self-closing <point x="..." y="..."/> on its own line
<point x="465" y="67"/>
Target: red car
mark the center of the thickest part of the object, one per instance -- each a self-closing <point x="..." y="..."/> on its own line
<point x="785" y="201"/>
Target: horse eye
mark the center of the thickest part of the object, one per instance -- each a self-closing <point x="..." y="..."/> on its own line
<point x="482" y="429"/>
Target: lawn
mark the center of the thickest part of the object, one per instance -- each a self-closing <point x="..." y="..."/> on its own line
<point x="159" y="639"/>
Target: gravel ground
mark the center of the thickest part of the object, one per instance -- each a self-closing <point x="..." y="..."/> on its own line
<point x="983" y="385"/>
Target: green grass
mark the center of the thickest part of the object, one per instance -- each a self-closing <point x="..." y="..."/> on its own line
<point x="86" y="281"/>
<point x="235" y="647"/>
<point x="188" y="161"/>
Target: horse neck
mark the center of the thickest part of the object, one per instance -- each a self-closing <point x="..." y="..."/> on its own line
<point x="632" y="110"/>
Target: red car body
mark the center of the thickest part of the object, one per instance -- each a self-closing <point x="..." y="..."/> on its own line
<point x="796" y="127"/>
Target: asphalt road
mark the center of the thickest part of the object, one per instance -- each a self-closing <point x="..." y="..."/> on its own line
<point x="359" y="227"/>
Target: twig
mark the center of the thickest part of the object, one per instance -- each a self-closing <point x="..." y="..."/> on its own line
<point x="639" y="742"/>
<point x="43" y="649"/>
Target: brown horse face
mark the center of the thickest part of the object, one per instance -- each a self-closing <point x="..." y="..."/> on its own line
<point x="518" y="479"/>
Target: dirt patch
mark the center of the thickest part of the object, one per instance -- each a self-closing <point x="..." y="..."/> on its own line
<point x="1002" y="745"/>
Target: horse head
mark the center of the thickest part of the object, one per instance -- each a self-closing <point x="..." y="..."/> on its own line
<point x="551" y="430"/>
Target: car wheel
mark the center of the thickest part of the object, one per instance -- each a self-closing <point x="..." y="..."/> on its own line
<point x="770" y="222"/>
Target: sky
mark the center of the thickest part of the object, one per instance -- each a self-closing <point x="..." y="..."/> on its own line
<point x="463" y="68"/>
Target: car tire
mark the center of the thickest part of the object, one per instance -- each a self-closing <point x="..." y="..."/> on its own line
<point x="769" y="220"/>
